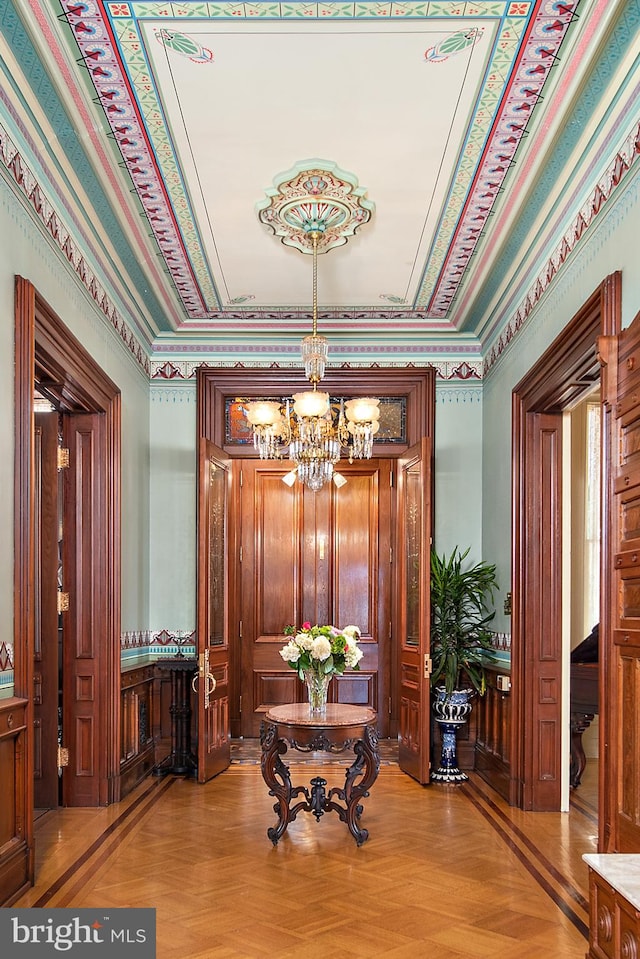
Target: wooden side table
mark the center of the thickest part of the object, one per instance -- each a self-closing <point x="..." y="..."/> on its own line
<point x="341" y="728"/>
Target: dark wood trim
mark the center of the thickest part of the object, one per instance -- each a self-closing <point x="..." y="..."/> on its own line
<point x="24" y="545"/>
<point x="214" y="386"/>
<point x="607" y="745"/>
<point x="49" y="354"/>
<point x="565" y="372"/>
<point x="607" y="356"/>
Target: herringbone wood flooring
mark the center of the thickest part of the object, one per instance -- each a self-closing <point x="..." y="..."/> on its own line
<point x="448" y="870"/>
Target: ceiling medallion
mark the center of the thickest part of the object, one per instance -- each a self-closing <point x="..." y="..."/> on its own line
<point x="315" y="196"/>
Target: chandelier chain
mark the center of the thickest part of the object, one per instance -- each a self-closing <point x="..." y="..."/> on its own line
<point x="305" y="430"/>
<point x="314" y="238"/>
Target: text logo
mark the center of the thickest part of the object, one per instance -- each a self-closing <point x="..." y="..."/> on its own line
<point x="121" y="933"/>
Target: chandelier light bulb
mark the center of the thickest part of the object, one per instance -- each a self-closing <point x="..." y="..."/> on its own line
<point x="263" y="413"/>
<point x="312" y="403"/>
<point x="362" y="410"/>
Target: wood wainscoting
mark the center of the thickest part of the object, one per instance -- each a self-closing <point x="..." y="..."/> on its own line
<point x="493" y="733"/>
<point x="482" y="743"/>
<point x="146" y="722"/>
<point x="137" y="752"/>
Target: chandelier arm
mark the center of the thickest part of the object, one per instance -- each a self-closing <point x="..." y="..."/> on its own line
<point x="288" y="436"/>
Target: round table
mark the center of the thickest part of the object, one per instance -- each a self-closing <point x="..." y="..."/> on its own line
<point x="340" y="728"/>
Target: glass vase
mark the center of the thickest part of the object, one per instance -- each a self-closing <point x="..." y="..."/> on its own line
<point x="318" y="688"/>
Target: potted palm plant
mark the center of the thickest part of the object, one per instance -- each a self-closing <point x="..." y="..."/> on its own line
<point x="461" y="598"/>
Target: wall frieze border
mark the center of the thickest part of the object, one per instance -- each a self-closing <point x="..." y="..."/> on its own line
<point x="618" y="170"/>
<point x="20" y="175"/>
<point x="174" y="371"/>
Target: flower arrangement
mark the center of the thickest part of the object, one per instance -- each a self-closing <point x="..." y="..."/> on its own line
<point x="322" y="649"/>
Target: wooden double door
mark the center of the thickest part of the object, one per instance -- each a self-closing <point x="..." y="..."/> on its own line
<point x="69" y="624"/>
<point x="321" y="557"/>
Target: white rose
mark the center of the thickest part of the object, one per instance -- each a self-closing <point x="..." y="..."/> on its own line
<point x="352" y="656"/>
<point x="304" y="641"/>
<point x="290" y="653"/>
<point x="320" y="648"/>
<point x="352" y="632"/>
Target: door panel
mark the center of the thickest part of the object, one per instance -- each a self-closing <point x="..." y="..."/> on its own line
<point x="84" y="628"/>
<point x="322" y="557"/>
<point x="214" y="738"/>
<point x="414" y="620"/>
<point x="543" y="612"/>
<point x="45" y="666"/>
<point x="621" y="699"/>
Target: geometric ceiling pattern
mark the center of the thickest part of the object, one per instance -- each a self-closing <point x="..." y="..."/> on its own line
<point x="427" y="103"/>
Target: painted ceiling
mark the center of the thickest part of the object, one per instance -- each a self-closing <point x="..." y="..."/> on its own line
<point x="168" y="126"/>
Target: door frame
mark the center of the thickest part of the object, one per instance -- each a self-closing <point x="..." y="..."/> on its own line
<point x="47" y="352"/>
<point x="565" y="372"/>
<point x="216" y="386"/>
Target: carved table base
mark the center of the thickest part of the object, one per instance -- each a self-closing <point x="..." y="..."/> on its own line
<point x="342" y="728"/>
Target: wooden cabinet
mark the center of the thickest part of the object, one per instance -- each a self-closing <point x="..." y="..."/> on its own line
<point x="614" y="906"/>
<point x="136" y="726"/>
<point x="15" y="842"/>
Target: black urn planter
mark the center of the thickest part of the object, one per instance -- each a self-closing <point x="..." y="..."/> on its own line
<point x="450" y="712"/>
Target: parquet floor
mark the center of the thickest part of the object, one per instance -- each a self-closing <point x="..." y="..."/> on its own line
<point x="449" y="870"/>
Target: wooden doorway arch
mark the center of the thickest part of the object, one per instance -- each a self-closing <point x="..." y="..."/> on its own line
<point x="47" y="353"/>
<point x="565" y="372"/>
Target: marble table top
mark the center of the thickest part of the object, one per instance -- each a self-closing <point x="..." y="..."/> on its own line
<point x="620" y="870"/>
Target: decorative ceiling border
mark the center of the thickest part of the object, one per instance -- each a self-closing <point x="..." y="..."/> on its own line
<point x="87" y="157"/>
<point x="490" y="163"/>
<point x="18" y="172"/>
<point x="112" y="48"/>
<point x="175" y="371"/>
<point x="624" y="161"/>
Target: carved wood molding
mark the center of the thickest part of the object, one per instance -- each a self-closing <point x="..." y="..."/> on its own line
<point x="569" y="369"/>
<point x="47" y="353"/>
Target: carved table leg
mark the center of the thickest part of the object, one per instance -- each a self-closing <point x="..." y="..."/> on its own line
<point x="276" y="775"/>
<point x="359" y="779"/>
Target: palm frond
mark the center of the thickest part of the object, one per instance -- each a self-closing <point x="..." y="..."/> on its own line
<point x="461" y="600"/>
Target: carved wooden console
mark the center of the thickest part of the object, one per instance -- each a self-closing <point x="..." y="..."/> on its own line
<point x="342" y="727"/>
<point x="136" y="737"/>
<point x="614" y="906"/>
<point x="157" y="719"/>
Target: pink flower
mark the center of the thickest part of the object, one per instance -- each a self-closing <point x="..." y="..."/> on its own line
<point x="306" y="626"/>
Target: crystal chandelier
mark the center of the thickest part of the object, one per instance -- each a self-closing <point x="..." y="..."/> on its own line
<point x="305" y="429"/>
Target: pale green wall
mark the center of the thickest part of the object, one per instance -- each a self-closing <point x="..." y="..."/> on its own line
<point x="612" y="246"/>
<point x="26" y="251"/>
<point x="172" y="497"/>
<point x="458" y="470"/>
<point x="172" y="501"/>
